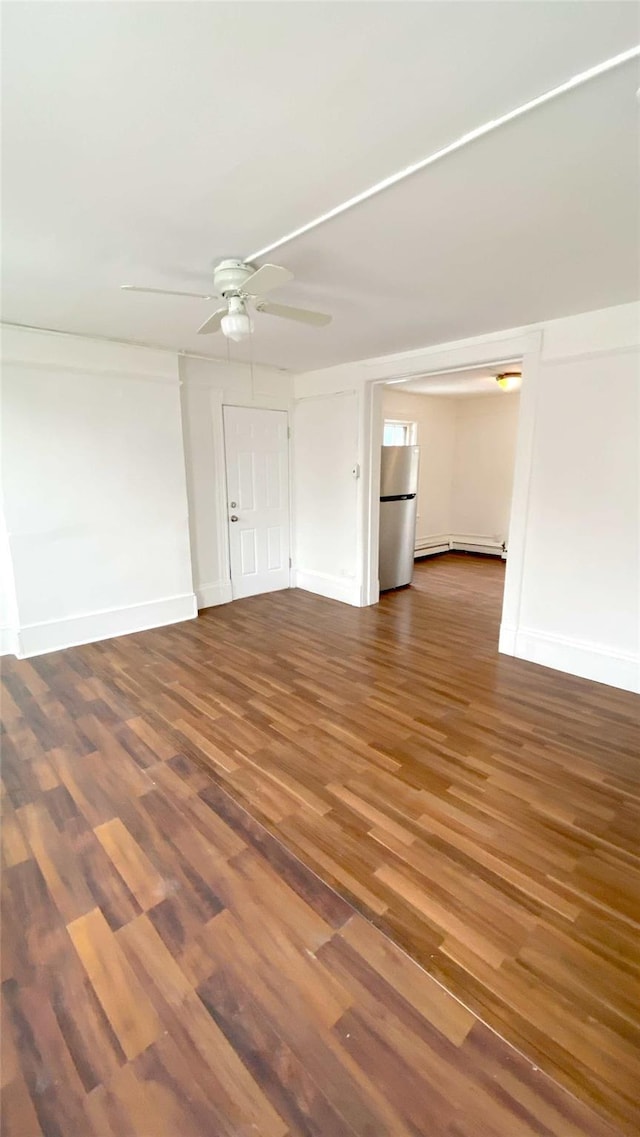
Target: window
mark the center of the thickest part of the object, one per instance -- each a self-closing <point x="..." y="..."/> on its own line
<point x="399" y="433"/>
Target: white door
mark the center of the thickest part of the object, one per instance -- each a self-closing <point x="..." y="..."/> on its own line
<point x="257" y="459"/>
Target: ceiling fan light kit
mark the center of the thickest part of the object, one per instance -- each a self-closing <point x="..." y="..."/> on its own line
<point x="237" y="323"/>
<point x="239" y="283"/>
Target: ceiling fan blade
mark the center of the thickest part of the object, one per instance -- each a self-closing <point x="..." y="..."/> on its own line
<point x="168" y="292"/>
<point x="213" y="323"/>
<point x="302" y="315"/>
<point x="266" y="278"/>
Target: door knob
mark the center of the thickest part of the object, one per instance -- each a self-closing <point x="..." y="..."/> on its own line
<point x="233" y="517"/>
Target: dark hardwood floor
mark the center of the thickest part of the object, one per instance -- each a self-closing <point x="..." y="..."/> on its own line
<point x="171" y="967"/>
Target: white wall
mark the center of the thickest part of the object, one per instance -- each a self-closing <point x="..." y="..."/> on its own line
<point x="8" y="612"/>
<point x="325" y="450"/>
<point x="580" y="585"/>
<point x="484" y="456"/>
<point x="206" y="386"/>
<point x="94" y="489"/>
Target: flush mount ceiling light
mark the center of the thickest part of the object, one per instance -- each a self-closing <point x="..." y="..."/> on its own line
<point x="509" y="380"/>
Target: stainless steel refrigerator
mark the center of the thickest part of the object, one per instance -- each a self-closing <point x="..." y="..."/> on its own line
<point x="398" y="504"/>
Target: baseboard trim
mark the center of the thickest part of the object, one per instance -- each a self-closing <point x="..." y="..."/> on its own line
<point x="55" y="635"/>
<point x="333" y="587"/>
<point x="507" y="639"/>
<point x="210" y="595"/>
<point x="583" y="658"/>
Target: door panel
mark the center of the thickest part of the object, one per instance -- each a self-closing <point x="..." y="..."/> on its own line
<point x="274" y="548"/>
<point x="257" y="462"/>
<point x="248" y="552"/>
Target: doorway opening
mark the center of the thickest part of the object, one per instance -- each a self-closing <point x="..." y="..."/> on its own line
<point x="452" y="436"/>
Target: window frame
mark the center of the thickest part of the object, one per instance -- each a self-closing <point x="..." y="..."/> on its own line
<point x="410" y="431"/>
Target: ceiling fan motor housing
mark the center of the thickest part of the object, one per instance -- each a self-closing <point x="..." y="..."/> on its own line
<point x="230" y="275"/>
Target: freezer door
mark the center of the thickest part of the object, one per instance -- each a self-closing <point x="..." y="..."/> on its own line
<point x="397" y="541"/>
<point x="399" y="470"/>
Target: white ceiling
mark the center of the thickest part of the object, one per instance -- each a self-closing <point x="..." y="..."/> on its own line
<point x="142" y="142"/>
<point x="457" y="384"/>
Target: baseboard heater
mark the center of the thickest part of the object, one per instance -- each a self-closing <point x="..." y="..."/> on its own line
<point x="473" y="543"/>
<point x="429" y="547"/>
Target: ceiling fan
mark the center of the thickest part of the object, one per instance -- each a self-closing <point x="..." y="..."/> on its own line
<point x="238" y="284"/>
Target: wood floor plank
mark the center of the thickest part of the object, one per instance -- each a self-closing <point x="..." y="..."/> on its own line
<point x="54" y="1085"/>
<point x="134" y="867"/>
<point x="152" y="960"/>
<point x="130" y="1013"/>
<point x="275" y="870"/>
<point x="354" y="1097"/>
<point x="444" y="1012"/>
<point x="141" y="1099"/>
<point x="59" y="867"/>
<point x="19" y="1115"/>
<point x="14" y="844"/>
<point x="107" y="887"/>
<point x="283" y="1077"/>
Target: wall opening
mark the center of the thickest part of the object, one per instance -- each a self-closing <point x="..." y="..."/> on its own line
<point x="464" y="427"/>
